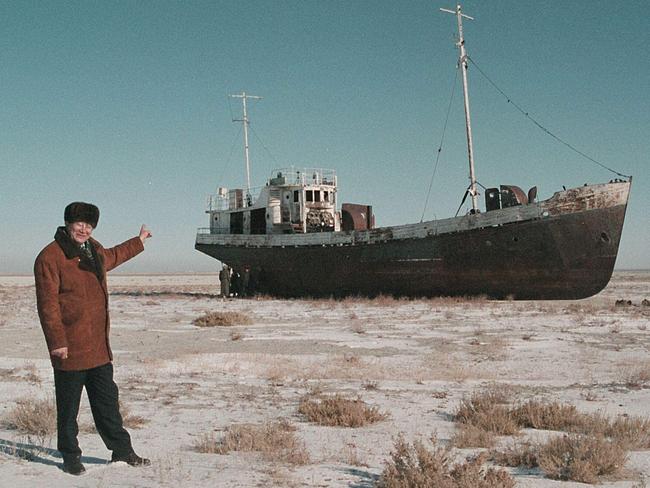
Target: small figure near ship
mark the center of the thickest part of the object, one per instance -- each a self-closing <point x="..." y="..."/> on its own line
<point x="290" y="238"/>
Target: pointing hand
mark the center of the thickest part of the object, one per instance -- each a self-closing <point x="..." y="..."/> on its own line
<point x="144" y="233"/>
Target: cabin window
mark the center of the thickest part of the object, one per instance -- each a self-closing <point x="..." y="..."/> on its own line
<point x="310" y="196"/>
<point x="296" y="198"/>
<point x="326" y="196"/>
<point x="317" y="195"/>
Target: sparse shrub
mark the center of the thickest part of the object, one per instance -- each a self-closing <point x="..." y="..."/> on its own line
<point x="468" y="435"/>
<point x="547" y="416"/>
<point x="28" y="373"/>
<point x="351" y="456"/>
<point x="33" y="417"/>
<point x="635" y="376"/>
<point x="522" y="454"/>
<point x="358" y="327"/>
<point x="222" y="319"/>
<point x="630" y="432"/>
<point x="633" y="432"/>
<point x="371" y="386"/>
<point x="339" y="411"/>
<point x="581" y="458"/>
<point x="487" y="411"/>
<point x="275" y="440"/>
<point x="415" y="466"/>
<point x="130" y="420"/>
<point x="208" y="444"/>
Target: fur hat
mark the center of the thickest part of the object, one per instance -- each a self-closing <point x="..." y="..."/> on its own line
<point x="81" y="212"/>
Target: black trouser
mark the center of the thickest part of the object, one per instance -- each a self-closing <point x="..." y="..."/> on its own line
<point x="104" y="403"/>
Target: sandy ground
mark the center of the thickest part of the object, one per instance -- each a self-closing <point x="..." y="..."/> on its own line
<point x="415" y="360"/>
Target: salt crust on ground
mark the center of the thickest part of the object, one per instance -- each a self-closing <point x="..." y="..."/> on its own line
<point x="412" y="359"/>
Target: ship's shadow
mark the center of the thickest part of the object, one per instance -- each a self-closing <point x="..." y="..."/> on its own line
<point x="164" y="294"/>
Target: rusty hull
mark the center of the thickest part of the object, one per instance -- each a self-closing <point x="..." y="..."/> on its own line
<point x="561" y="248"/>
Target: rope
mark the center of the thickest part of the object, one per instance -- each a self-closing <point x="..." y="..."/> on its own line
<point x="540" y="126"/>
<point x="266" y="149"/>
<point x="229" y="160"/>
<point x="463" y="200"/>
<point x="444" y="130"/>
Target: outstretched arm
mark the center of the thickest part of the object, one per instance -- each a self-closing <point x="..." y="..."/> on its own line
<point x="115" y="256"/>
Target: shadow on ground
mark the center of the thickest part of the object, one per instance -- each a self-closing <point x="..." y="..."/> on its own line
<point x="366" y="478"/>
<point x="39" y="454"/>
<point x="169" y="294"/>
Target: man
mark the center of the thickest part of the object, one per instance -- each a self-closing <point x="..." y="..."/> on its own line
<point x="224" y="280"/>
<point x="245" y="278"/>
<point x="72" y="301"/>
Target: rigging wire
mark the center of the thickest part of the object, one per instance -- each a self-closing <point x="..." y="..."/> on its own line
<point x="444" y="130"/>
<point x="232" y="117"/>
<point x="232" y="149"/>
<point x="266" y="149"/>
<point x="540" y="126"/>
<point x="466" y="194"/>
<point x="462" y="202"/>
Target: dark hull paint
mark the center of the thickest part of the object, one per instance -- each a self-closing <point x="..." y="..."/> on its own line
<point x="563" y="257"/>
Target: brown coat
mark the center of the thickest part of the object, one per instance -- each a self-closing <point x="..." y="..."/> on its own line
<point x="72" y="299"/>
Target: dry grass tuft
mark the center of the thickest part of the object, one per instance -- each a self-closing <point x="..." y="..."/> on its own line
<point x="358" y="327"/>
<point x="415" y="466"/>
<point x="569" y="457"/>
<point x="635" y="376"/>
<point x="33" y="417"/>
<point x="222" y="319"/>
<point x="469" y="435"/>
<point x="522" y="454"/>
<point x="28" y="373"/>
<point x="339" y="411"/>
<point x="350" y="455"/>
<point x="380" y="300"/>
<point x="487" y="411"/>
<point x="581" y="458"/>
<point x="547" y="416"/>
<point x="207" y="444"/>
<point x="130" y="420"/>
<point x="630" y="432"/>
<point x="275" y="440"/>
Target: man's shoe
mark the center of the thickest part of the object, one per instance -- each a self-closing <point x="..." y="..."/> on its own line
<point x="132" y="459"/>
<point x="72" y="465"/>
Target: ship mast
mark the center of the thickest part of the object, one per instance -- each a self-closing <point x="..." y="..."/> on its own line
<point x="462" y="60"/>
<point x="245" y="122"/>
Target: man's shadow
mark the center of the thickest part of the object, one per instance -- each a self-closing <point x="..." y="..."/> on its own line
<point x="35" y="454"/>
<point x="366" y="478"/>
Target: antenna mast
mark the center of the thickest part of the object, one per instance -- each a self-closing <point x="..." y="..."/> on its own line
<point x="462" y="61"/>
<point x="245" y="122"/>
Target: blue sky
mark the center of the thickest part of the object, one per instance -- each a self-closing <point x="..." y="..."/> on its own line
<point x="124" y="104"/>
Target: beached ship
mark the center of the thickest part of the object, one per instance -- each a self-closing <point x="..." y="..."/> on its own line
<point x="292" y="239"/>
